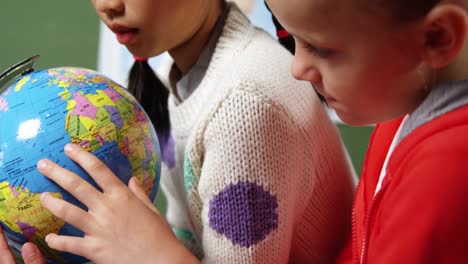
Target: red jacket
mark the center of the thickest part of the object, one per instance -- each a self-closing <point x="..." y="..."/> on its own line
<point x="420" y="214"/>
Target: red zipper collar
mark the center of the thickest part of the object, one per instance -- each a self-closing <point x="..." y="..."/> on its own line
<point x="362" y="258"/>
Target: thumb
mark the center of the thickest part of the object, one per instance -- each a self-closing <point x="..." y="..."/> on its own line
<point x="140" y="194"/>
<point x="31" y="254"/>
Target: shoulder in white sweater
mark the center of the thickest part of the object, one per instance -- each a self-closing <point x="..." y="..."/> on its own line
<point x="265" y="174"/>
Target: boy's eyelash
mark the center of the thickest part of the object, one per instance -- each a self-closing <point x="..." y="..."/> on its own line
<point x="324" y="53"/>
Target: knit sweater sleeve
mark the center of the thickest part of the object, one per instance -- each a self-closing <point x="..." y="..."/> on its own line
<point x="251" y="175"/>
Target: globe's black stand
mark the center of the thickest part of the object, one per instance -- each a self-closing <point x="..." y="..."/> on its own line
<point x="21" y="68"/>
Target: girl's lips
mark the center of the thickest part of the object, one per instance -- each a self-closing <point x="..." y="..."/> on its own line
<point x="125" y="35"/>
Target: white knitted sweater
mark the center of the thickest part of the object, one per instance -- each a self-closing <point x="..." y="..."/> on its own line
<point x="265" y="177"/>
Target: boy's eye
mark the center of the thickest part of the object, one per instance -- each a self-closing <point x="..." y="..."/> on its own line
<point x="320" y="52"/>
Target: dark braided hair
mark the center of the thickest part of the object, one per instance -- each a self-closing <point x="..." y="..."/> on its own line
<point x="151" y="93"/>
<point x="283" y="36"/>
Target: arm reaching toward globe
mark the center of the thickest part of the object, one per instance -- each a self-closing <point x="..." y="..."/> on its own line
<point x="120" y="226"/>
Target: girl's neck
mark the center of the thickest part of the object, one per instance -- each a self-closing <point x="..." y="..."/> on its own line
<point x="186" y="55"/>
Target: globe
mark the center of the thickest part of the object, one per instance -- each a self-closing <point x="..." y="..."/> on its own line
<point x="43" y="110"/>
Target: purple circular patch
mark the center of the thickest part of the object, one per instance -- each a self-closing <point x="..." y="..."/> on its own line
<point x="244" y="213"/>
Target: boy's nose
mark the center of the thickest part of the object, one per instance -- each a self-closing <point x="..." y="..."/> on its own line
<point x="301" y="69"/>
<point x="111" y="8"/>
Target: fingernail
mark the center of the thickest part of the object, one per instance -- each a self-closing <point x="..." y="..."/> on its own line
<point x="134" y="180"/>
<point x="30" y="251"/>
<point x="47" y="238"/>
<point x="42" y="164"/>
<point x="43" y="195"/>
<point x="68" y="148"/>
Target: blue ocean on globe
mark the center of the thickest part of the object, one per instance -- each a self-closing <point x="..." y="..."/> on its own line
<point x="43" y="110"/>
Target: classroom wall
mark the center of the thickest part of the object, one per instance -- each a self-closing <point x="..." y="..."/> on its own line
<point x="64" y="33"/>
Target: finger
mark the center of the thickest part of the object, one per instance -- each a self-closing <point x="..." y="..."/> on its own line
<point x="140" y="194"/>
<point x="70" y="213"/>
<point x="6" y="257"/>
<point x="71" y="182"/>
<point x="31" y="254"/>
<point x="70" y="244"/>
<point x="101" y="174"/>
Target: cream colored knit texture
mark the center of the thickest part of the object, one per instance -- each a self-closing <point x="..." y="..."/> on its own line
<point x="250" y="121"/>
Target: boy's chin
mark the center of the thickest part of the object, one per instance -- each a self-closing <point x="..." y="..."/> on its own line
<point x="353" y="120"/>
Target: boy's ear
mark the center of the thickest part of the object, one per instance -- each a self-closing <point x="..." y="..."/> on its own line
<point x="445" y="31"/>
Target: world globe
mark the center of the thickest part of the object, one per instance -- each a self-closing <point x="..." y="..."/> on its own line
<point x="40" y="112"/>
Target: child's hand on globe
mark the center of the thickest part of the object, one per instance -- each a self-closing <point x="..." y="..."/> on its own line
<point x="121" y="224"/>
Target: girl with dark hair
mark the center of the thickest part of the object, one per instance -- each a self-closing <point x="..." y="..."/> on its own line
<point x="401" y="64"/>
<point x="253" y="168"/>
